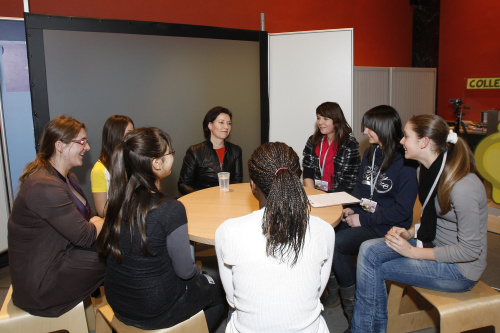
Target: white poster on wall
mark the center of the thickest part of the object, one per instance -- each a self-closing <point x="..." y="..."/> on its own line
<point x="305" y="70"/>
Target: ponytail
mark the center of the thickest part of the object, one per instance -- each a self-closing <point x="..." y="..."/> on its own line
<point x="132" y="185"/>
<point x="459" y="163"/>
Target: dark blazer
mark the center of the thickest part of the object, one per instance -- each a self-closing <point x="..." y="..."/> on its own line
<point x="51" y="269"/>
<point x="201" y="166"/>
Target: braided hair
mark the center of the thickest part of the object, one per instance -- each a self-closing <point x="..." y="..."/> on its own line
<point x="275" y="168"/>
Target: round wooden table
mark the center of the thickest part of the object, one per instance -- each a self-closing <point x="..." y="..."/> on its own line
<point x="207" y="209"/>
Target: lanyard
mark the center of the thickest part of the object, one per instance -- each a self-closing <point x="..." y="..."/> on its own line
<point x="373" y="181"/>
<point x="322" y="166"/>
<point x="434" y="185"/>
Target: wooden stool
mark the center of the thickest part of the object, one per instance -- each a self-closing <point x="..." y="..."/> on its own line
<point x="105" y="320"/>
<point x="421" y="308"/>
<point x="13" y="319"/>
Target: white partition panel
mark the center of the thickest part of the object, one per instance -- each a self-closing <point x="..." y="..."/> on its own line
<point x="305" y="70"/>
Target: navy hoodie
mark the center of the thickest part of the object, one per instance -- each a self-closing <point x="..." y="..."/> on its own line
<point x="395" y="193"/>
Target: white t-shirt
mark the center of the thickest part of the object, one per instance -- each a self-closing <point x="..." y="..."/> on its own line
<point x="269" y="296"/>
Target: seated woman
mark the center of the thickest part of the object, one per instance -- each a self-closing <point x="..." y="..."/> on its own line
<point x="452" y="228"/>
<point x="387" y="185"/>
<point x="205" y="160"/>
<point x="274" y="263"/>
<point x="113" y="132"/>
<point x="151" y="280"/>
<point x="331" y="156"/>
<point x="51" y="227"/>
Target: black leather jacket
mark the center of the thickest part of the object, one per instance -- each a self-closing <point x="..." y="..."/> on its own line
<point x="201" y="165"/>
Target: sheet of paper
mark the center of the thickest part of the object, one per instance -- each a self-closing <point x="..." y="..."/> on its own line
<point x="332" y="199"/>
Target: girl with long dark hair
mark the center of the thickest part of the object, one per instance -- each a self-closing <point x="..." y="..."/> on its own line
<point x="387" y="186"/>
<point x="274" y="263"/>
<point x="331" y="155"/>
<point x="151" y="280"/>
<point x="114" y="130"/>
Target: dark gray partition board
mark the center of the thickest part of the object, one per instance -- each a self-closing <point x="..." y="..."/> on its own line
<point x="163" y="75"/>
<point x="305" y="70"/>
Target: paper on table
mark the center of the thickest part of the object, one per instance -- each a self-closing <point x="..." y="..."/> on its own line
<point x="332" y="199"/>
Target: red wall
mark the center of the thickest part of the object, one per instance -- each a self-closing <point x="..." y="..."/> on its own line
<point x="469" y="47"/>
<point x="469" y="33"/>
<point x="382" y="28"/>
<point x="469" y="42"/>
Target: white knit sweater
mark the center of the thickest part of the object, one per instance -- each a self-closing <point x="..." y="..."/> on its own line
<point x="269" y="296"/>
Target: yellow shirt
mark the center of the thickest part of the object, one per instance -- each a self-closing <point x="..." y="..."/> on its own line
<point x="99" y="178"/>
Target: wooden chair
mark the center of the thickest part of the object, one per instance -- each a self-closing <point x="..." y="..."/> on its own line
<point x="412" y="308"/>
<point x="106" y="321"/>
<point x="13" y="319"/>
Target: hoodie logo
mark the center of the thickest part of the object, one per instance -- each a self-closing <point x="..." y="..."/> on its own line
<point x="384" y="183"/>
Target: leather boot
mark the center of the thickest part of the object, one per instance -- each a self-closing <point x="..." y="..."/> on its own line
<point x="347" y="295"/>
<point x="332" y="299"/>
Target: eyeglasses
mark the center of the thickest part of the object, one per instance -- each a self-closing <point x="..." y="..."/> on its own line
<point x="82" y="142"/>
<point x="172" y="152"/>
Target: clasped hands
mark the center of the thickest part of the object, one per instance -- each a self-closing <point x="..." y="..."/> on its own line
<point x="350" y="218"/>
<point x="397" y="239"/>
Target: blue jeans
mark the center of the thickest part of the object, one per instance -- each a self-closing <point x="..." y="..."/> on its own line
<point x="347" y="243"/>
<point x="377" y="263"/>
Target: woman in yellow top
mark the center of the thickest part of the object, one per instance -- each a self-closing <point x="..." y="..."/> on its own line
<point x="113" y="132"/>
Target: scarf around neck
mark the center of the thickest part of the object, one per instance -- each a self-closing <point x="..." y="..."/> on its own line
<point x="427" y="231"/>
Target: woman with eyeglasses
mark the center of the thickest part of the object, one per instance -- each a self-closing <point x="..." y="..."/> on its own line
<point x="113" y="132"/>
<point x="152" y="281"/>
<point x="52" y="230"/>
<point x="205" y="160"/>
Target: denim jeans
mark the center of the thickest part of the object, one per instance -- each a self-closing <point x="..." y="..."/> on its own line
<point x="347" y="243"/>
<point x="377" y="263"/>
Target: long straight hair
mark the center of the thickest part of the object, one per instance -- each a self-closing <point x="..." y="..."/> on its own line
<point x="384" y="120"/>
<point x="275" y="168"/>
<point x="61" y="128"/>
<point x="112" y="134"/>
<point x="133" y="183"/>
<point x="341" y="128"/>
<point x="459" y="162"/>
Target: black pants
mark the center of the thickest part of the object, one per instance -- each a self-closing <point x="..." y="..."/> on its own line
<point x="202" y="293"/>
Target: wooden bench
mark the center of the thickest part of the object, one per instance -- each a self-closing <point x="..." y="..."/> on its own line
<point x="106" y="321"/>
<point x="14" y="319"/>
<point x="412" y="308"/>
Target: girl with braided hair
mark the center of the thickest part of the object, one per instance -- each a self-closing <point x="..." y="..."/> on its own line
<point x="275" y="262"/>
<point x="446" y="250"/>
<point x="151" y="279"/>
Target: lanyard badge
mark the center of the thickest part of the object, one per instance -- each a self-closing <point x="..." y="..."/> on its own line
<point x="370" y="205"/>
<point x="321" y="184"/>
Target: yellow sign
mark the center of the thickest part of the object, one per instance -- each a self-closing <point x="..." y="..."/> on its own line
<point x="484" y="83"/>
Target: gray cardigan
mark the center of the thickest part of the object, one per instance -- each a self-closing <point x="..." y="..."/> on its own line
<point x="461" y="233"/>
